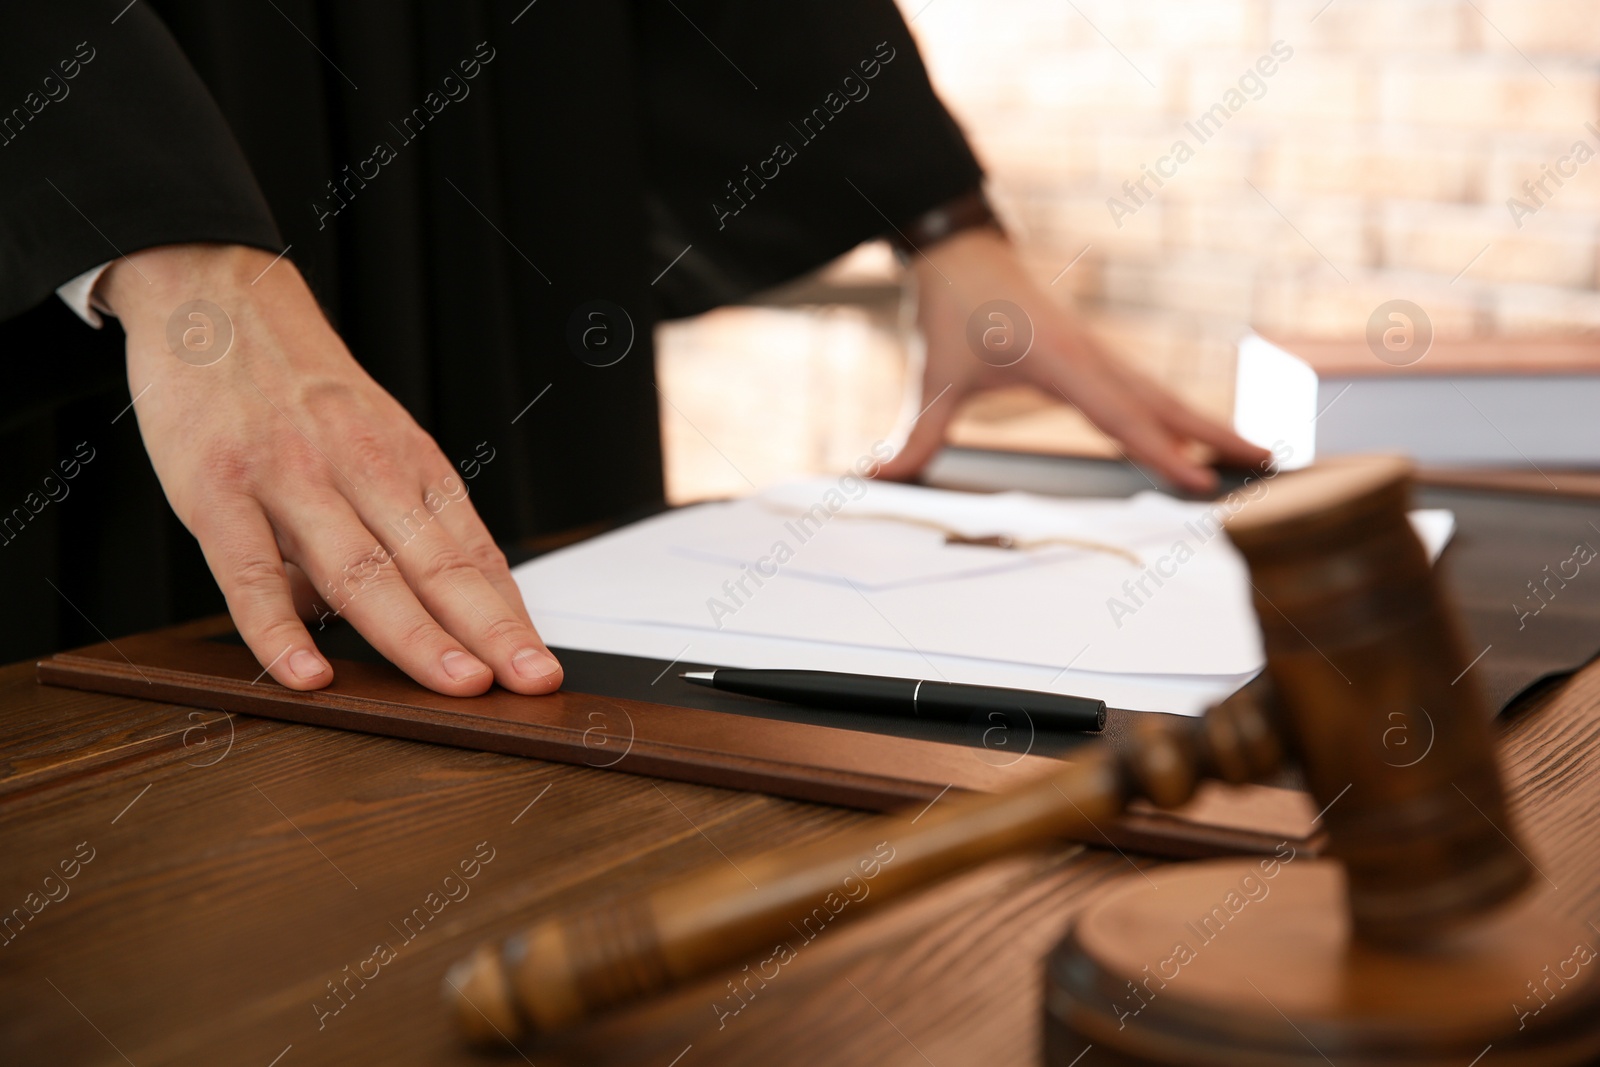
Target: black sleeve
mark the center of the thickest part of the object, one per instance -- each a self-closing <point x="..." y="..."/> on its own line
<point x="109" y="143"/>
<point x="778" y="136"/>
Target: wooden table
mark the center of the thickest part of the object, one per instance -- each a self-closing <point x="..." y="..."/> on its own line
<point x="238" y="868"/>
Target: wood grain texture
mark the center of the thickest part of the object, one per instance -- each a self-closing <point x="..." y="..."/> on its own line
<point x="870" y="771"/>
<point x="1288" y="986"/>
<point x="800" y="760"/>
<point x="217" y="908"/>
<point x="220" y="902"/>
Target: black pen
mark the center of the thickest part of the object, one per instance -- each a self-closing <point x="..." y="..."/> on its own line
<point x="908" y="697"/>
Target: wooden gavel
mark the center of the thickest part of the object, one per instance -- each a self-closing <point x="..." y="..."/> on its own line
<point x="1358" y="642"/>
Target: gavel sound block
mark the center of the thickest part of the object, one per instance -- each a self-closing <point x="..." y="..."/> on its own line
<point x="1403" y="948"/>
<point x="1383" y="958"/>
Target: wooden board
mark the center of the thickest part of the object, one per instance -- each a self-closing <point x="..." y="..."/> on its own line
<point x="854" y="768"/>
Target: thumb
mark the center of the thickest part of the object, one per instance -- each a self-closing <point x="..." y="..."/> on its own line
<point x="925" y="438"/>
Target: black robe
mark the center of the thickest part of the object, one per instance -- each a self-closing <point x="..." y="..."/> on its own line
<point x="491" y="200"/>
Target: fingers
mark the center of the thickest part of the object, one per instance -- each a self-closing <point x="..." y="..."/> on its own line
<point x="1154" y="426"/>
<point x="1229" y="446"/>
<point x="1147" y="442"/>
<point x="243" y="554"/>
<point x="451" y="583"/>
<point x="462" y="522"/>
<point x="927" y="432"/>
<point x="1124" y="416"/>
<point x="359" y="579"/>
<point x="1187" y="422"/>
<point x="307" y="604"/>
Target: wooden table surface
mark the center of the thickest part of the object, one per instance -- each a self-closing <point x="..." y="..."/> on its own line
<point x="226" y="872"/>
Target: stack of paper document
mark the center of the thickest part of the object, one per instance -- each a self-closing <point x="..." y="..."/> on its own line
<point x="1140" y="602"/>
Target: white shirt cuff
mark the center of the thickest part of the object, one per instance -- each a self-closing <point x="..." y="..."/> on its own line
<point x="78" y="294"/>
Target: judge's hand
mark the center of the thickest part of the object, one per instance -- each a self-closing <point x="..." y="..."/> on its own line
<point x="284" y="452"/>
<point x="967" y="270"/>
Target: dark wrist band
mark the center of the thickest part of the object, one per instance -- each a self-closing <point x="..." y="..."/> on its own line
<point x="968" y="211"/>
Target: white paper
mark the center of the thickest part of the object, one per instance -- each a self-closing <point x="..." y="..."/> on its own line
<point x="752" y="583"/>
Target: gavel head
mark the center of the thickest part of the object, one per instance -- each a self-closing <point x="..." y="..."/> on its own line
<point x="1375" y="698"/>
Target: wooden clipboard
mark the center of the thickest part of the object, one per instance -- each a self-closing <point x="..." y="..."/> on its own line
<point x="202" y="664"/>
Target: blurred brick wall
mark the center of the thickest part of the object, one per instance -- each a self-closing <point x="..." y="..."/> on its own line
<point x="1375" y="164"/>
<point x="754" y="395"/>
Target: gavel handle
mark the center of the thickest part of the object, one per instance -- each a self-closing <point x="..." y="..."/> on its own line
<point x="560" y="971"/>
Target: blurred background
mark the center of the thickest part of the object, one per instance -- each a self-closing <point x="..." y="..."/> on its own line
<point x="1374" y="163"/>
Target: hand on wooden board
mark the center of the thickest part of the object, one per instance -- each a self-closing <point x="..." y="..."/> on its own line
<point x="276" y="449"/>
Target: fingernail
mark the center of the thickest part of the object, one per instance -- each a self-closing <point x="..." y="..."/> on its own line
<point x="459" y="665"/>
<point x="534" y="665"/>
<point x="306" y="665"/>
